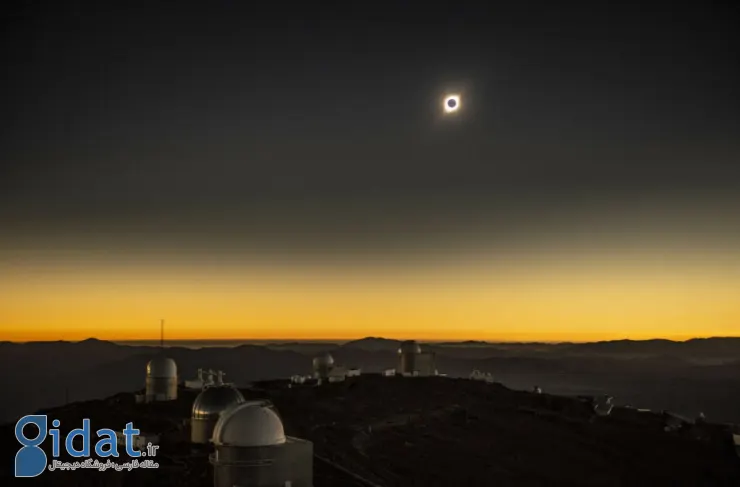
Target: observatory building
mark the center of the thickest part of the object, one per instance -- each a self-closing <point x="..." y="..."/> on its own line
<point x="198" y="383"/>
<point x="412" y="362"/>
<point x="481" y="376"/>
<point x="322" y="366"/>
<point x="209" y="405"/>
<point x="161" y="379"/>
<point x="338" y="373"/>
<point x="251" y="449"/>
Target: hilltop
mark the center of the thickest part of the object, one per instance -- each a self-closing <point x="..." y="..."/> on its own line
<point x="432" y="432"/>
<point x="689" y="377"/>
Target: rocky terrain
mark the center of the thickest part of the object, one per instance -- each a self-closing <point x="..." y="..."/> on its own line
<point x="395" y="432"/>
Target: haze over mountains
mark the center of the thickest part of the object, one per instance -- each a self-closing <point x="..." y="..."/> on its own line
<point x="699" y="375"/>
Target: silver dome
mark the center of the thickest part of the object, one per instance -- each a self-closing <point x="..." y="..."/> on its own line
<point x="214" y="400"/>
<point x="162" y="367"/>
<point x="409" y="346"/>
<point x="325" y="360"/>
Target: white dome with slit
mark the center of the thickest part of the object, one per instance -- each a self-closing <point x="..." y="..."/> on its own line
<point x="249" y="425"/>
<point x="161" y="366"/>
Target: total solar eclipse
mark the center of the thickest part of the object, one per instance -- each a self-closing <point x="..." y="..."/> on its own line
<point x="452" y="103"/>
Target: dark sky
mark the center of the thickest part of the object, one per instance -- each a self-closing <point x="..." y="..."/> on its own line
<point x="283" y="126"/>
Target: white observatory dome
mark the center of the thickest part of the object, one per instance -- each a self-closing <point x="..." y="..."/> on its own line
<point x="409" y="346"/>
<point x="161" y="367"/>
<point x="249" y="425"/>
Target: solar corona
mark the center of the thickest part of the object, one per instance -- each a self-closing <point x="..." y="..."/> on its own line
<point x="451" y="103"/>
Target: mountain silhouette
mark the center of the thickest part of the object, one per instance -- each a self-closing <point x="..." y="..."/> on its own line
<point x="692" y="376"/>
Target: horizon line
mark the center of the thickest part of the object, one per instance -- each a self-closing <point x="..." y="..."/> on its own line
<point x="348" y="340"/>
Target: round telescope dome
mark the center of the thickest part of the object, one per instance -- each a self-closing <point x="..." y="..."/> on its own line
<point x="215" y="400"/>
<point x="249" y="425"/>
<point x="409" y="346"/>
<point x="161" y="367"/>
<point x="323" y="360"/>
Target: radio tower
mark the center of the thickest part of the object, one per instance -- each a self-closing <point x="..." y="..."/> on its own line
<point x="161" y="334"/>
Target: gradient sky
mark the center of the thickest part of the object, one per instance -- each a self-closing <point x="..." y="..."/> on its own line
<point x="247" y="171"/>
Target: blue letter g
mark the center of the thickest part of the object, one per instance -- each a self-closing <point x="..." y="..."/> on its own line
<point x="30" y="461"/>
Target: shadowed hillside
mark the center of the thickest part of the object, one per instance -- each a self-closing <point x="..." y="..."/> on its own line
<point x="643" y="374"/>
<point x="397" y="432"/>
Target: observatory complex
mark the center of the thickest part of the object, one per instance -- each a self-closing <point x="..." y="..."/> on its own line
<point x="251" y="449"/>
<point x="412" y="362"/>
<point x="246" y="438"/>
<point x="376" y="431"/>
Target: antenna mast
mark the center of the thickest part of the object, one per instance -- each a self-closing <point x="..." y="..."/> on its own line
<point x="161" y="334"/>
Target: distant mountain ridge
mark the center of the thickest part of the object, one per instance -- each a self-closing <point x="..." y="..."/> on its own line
<point x="695" y="375"/>
<point x="369" y="340"/>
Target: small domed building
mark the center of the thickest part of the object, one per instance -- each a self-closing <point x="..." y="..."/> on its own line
<point x="161" y="379"/>
<point x="412" y="362"/>
<point x="322" y="366"/>
<point x="251" y="448"/>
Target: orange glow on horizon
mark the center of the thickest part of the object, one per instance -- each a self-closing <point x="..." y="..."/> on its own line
<point x="571" y="301"/>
